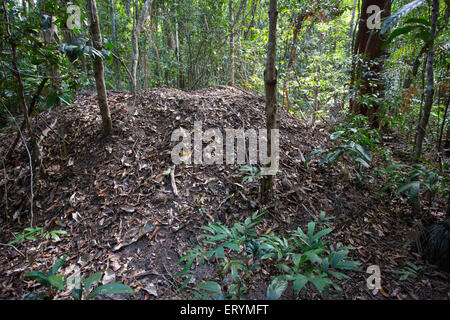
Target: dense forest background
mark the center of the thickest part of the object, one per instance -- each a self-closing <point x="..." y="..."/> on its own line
<point x="370" y="77"/>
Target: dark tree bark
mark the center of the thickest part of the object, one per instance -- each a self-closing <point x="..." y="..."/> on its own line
<point x="270" y="83"/>
<point x="367" y="72"/>
<point x="99" y="68"/>
<point x="421" y="130"/>
<point x="292" y="56"/>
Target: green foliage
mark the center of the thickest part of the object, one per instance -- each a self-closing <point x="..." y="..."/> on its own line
<point x="411" y="270"/>
<point x="356" y="129"/>
<point x="400" y="13"/>
<point x="355" y="151"/>
<point x="32" y="234"/>
<point x="74" y="52"/>
<point x="411" y="181"/>
<point x="235" y="250"/>
<point x="310" y="260"/>
<point x="252" y="173"/>
<point x="240" y="251"/>
<point x="54" y="282"/>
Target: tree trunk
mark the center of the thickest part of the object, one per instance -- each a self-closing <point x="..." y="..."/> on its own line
<point x="292" y="58"/>
<point x="231" y="11"/>
<point x="114" y="39"/>
<point x="368" y="44"/>
<point x="99" y="69"/>
<point x="430" y="84"/>
<point x="145" y="58"/>
<point x="270" y="84"/>
<point x="137" y="29"/>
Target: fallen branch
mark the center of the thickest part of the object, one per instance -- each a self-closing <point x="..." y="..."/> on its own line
<point x="172" y="181"/>
<point x="31" y="167"/>
<point x="122" y="63"/>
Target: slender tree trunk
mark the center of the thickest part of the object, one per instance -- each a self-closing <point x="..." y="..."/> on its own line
<point x="270" y="83"/>
<point x="114" y="39"/>
<point x="292" y="58"/>
<point x="180" y="79"/>
<point x="351" y="28"/>
<point x="421" y="130"/>
<point x="137" y="29"/>
<point x="99" y="69"/>
<point x="444" y="120"/>
<point x="145" y="58"/>
<point x="134" y="54"/>
<point x="231" y="11"/>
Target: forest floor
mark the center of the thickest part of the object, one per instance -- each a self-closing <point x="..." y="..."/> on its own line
<point x="123" y="216"/>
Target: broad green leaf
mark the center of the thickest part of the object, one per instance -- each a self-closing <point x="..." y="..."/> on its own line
<point x="77" y="294"/>
<point x="40" y="277"/>
<point x="93" y="279"/>
<point x="336" y="135"/>
<point x="185" y="282"/>
<point x="58" y="264"/>
<point x="57" y="281"/>
<point x="219" y="252"/>
<point x="312" y="154"/>
<point x="299" y="282"/>
<point x="110" y="288"/>
<point x="363" y="162"/>
<point x="210" y="286"/>
<point x="320" y="282"/>
<point x="400" y="13"/>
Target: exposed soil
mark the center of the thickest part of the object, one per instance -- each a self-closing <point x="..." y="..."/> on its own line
<point x="122" y="214"/>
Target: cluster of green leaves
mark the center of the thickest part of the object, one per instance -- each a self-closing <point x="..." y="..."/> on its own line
<point x="85" y="289"/>
<point x="252" y="173"/>
<point x="32" y="233"/>
<point x="235" y="250"/>
<point x="411" y="270"/>
<point x="411" y="180"/>
<point x="357" y="129"/>
<point x="239" y="251"/>
<point x="310" y="260"/>
<point x="355" y="151"/>
<point x="77" y="51"/>
<point x="399" y="14"/>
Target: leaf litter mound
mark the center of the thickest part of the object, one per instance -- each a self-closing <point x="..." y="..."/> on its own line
<point x="130" y="212"/>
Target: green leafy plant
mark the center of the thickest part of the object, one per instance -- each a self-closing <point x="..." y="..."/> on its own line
<point x="84" y="287"/>
<point x="311" y="261"/>
<point x="240" y="250"/>
<point x="356" y="152"/>
<point x="411" y="270"/>
<point x="357" y="129"/>
<point x="252" y="173"/>
<point x="32" y="234"/>
<point x="235" y="249"/>
<point x="411" y="181"/>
